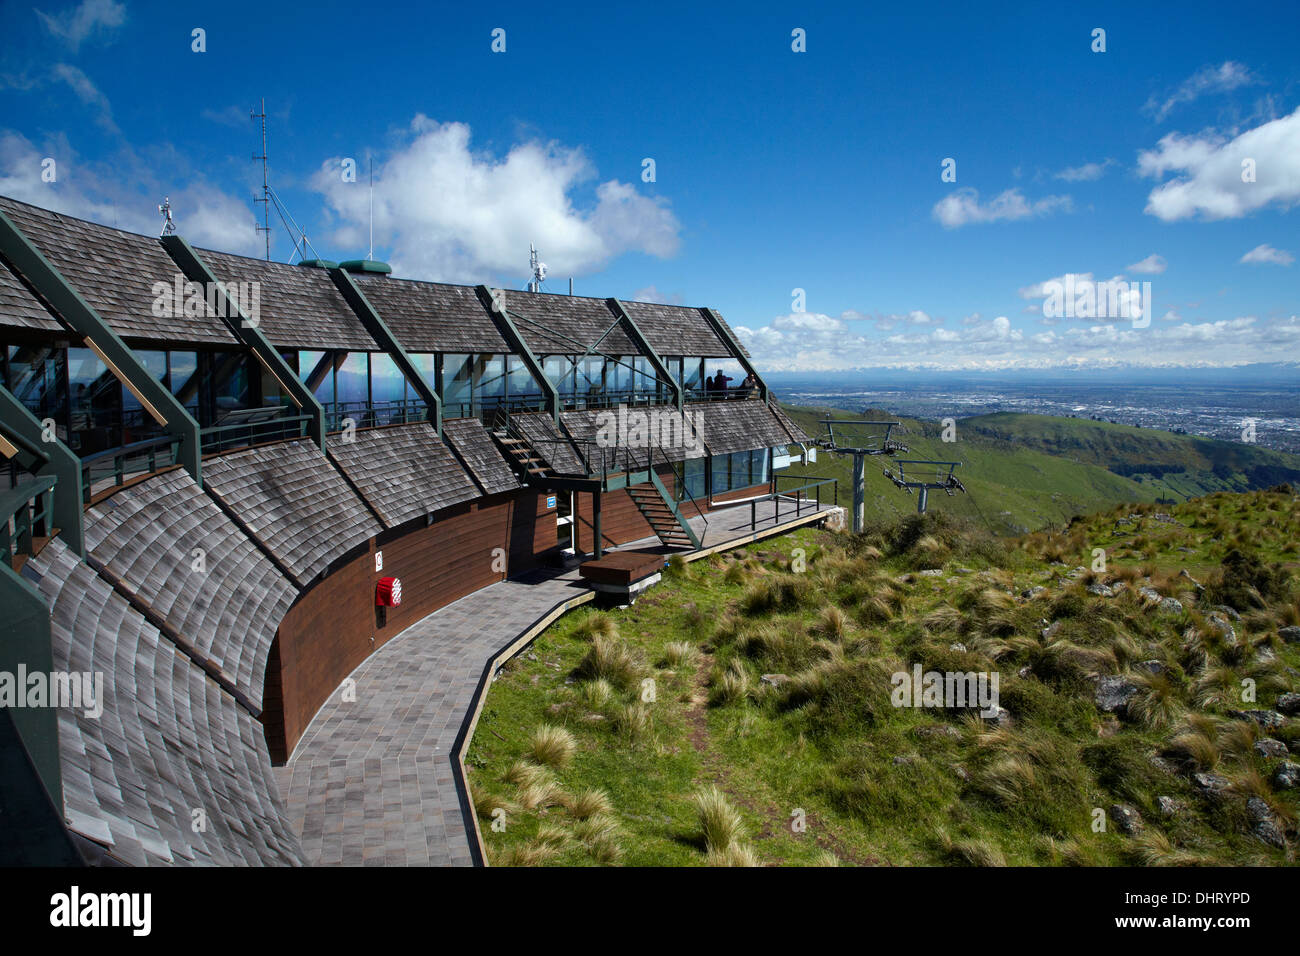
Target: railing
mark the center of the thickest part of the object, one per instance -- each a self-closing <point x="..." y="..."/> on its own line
<point x="485" y="408"/>
<point x="237" y="434"/>
<point x="799" y="499"/>
<point x="26" y="511"/>
<point x="140" y="457"/>
<point x="401" y="411"/>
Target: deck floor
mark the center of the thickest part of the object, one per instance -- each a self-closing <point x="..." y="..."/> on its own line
<point x="374" y="781"/>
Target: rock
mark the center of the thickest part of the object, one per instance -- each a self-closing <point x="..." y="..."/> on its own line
<point x="1220" y="623"/>
<point x="1151" y="667"/>
<point x="1268" y="719"/>
<point x="1197" y="584"/>
<point x="1160" y="763"/>
<point x="1077" y="572"/>
<point x="1265" y="655"/>
<point x="1287" y="775"/>
<point x="904" y="759"/>
<point x="1187" y="550"/>
<point x="1211" y="783"/>
<point x="774" y="680"/>
<point x="1289" y="634"/>
<point x="1025" y="672"/>
<point x="1003" y="718"/>
<point x="1101" y="590"/>
<point x="1170" y="807"/>
<point x="959" y="646"/>
<point x="1031" y="593"/>
<point x="931" y="573"/>
<point x="965" y="570"/>
<point x="1126" y="818"/>
<point x="1149" y="594"/>
<point x="1267" y="829"/>
<point x="1112" y="693"/>
<point x="1171" y="605"/>
<point x="1229" y="612"/>
<point x="1289" y="703"/>
<point x="1049" y="632"/>
<point x="1270" y="748"/>
<point x="962" y="774"/>
<point x="940" y="730"/>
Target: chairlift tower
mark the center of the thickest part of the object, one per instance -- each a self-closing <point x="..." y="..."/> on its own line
<point x="873" y="444"/>
<point x="942" y="480"/>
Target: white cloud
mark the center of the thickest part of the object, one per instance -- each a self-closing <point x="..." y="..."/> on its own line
<point x="962" y="207"/>
<point x="75" y="26"/>
<point x="1151" y="265"/>
<point x="446" y="212"/>
<point x="1266" y="253"/>
<point x="1211" y="168"/>
<point x="1088" y="172"/>
<point x="88" y="93"/>
<point x="236" y="117"/>
<point x="1208" y="79"/>
<point x="652" y="294"/>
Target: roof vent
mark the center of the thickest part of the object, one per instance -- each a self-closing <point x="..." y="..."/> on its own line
<point x="319" y="263"/>
<point x="366" y="265"/>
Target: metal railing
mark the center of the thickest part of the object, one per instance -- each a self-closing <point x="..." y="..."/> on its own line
<point x="238" y="434"/>
<point x="400" y="411"/>
<point x="800" y="498"/>
<point x="26" y="511"/>
<point x="140" y="457"/>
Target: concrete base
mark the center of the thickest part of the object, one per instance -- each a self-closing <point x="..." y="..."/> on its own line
<point x="623" y="593"/>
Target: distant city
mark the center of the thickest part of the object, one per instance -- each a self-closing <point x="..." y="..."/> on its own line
<point x="1207" y="406"/>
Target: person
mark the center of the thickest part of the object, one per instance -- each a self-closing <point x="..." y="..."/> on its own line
<point x="720" y="383"/>
<point x="749" y="385"/>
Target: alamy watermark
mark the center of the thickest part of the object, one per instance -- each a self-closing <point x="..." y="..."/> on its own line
<point x="1108" y="299"/>
<point x="946" y="689"/>
<point x="663" y="427"/>
<point x="71" y="689"/>
<point x="241" y="300"/>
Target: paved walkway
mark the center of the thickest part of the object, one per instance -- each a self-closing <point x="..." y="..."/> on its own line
<point x="375" y="781"/>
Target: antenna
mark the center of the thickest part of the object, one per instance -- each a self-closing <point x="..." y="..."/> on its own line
<point x="371" y="253"/>
<point x="538" y="269"/>
<point x="165" y="210"/>
<point x="265" y="227"/>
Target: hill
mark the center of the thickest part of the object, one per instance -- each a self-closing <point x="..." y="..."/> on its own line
<point x="749" y="709"/>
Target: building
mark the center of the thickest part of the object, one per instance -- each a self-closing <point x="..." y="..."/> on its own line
<point x="215" y="461"/>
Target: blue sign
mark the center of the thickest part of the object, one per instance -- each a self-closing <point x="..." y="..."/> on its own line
<point x="550" y="501"/>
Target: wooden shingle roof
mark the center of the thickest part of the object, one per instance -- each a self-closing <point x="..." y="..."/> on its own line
<point x="676" y="330"/>
<point x="226" y="605"/>
<point x="114" y="272"/>
<point x="300" y="307"/>
<point x="471" y="441"/>
<point x="564" y="324"/>
<point x="20" y="307"/>
<point x="290" y="496"/>
<point x="549" y="443"/>
<point x="431" y="316"/>
<point x="168" y="742"/>
<point x="404" y="472"/>
<point x="741" y="425"/>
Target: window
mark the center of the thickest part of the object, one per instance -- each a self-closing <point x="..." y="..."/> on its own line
<point x="520" y="380"/>
<point x="456" y="397"/>
<point x="694" y="478"/>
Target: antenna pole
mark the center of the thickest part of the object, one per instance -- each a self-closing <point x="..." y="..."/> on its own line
<point x="265" y="227"/>
<point x="371" y="253"/>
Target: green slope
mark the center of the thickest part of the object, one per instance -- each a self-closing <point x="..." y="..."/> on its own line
<point x="1013" y="486"/>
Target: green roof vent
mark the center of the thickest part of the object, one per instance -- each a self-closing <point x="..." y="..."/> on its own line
<point x="366" y="265"/>
<point x="319" y="263"/>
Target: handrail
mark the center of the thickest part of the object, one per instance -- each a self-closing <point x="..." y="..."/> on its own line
<point x="29" y="507"/>
<point x="148" y="447"/>
<point x="776" y="494"/>
<point x="247" y="433"/>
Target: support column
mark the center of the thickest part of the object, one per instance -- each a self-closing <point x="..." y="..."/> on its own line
<point x="597" y="547"/>
<point x="156" y="400"/>
<point x="859" y="492"/>
<point x="245" y="329"/>
<point x="46" y="457"/>
<point x="661" y="370"/>
<point x="510" y="332"/>
<point x="382" y="334"/>
<point x="922" y="497"/>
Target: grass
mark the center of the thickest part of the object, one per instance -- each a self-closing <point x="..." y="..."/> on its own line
<point x="713" y="768"/>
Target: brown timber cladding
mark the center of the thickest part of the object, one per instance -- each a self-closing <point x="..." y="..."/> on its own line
<point x="335" y="626"/>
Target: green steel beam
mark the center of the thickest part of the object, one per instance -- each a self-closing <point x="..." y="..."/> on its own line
<point x="724" y="333"/>
<point x="383" y="335"/>
<point x="56" y="459"/>
<point x="25" y="644"/>
<point x="510" y="332"/>
<point x="246" y="330"/>
<point x="156" y="400"/>
<point x="661" y="370"/>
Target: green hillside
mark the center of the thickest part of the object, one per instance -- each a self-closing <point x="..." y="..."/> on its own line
<point x="1183" y="465"/>
<point x="1013" y="487"/>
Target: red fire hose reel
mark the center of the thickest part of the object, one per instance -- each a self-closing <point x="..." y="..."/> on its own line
<point x="388" y="592"/>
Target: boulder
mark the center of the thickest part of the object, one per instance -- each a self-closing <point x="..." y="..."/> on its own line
<point x="773" y="680"/>
<point x="1211" y="783"/>
<point x="1126" y="818"/>
<point x="1270" y="748"/>
<point x="1171" y="605"/>
<point x="1267" y="829"/>
<point x="1227" y="611"/>
<point x="1289" y="634"/>
<point x="1170" y="806"/>
<point x="959" y="646"/>
<point x="1287" y="775"/>
<point x="1031" y="593"/>
<point x="1268" y="719"/>
<point x="1151" y="667"/>
<point x="1221" y="624"/>
<point x="1101" y="590"/>
<point x="1289" y="703"/>
<point x="1112" y="693"/>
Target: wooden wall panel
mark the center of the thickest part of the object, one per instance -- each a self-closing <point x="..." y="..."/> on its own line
<point x="334" y="625"/>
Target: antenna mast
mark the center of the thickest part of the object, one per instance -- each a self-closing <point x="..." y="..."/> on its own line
<point x="538" y="269"/>
<point x="265" y="227"/>
<point x="371" y="254"/>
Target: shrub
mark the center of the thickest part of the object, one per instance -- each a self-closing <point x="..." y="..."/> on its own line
<point x="612" y="660"/>
<point x="551" y="746"/>
<point x="720" y="824"/>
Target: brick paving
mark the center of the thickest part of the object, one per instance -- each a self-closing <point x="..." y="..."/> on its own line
<point x="374" y="781"/>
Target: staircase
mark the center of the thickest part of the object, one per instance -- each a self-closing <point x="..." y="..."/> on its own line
<point x="669" y="525"/>
<point x="520" y="455"/>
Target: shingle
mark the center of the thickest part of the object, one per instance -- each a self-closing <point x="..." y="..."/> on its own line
<point x="405" y="472"/>
<point x="741" y="425"/>
<point x="549" y="443"/>
<point x="115" y="271"/>
<point x="169" y="740"/>
<point x="20" y="307"/>
<point x="663" y="428"/>
<point x="292" y="499"/>
<point x="565" y="324"/>
<point x="471" y="441"/>
<point x="796" y="433"/>
<point x="300" y="307"/>
<point x="433" y="317"/>
<point x="676" y="330"/>
<point x="228" y="605"/>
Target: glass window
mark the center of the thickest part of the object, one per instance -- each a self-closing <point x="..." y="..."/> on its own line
<point x="36" y="374"/>
<point x="456" y="397"/>
<point x="353" y="380"/>
<point x="591" y="380"/>
<point x="489" y="377"/>
<point x="387" y="384"/>
<point x="183" y="377"/>
<point x="559" y="369"/>
<point x="695" y="478"/>
<point x="95" y="403"/>
<point x="230" y="381"/>
<point x="720" y="468"/>
<point x="521" y="381"/>
<point x="693" y="378"/>
<point x="137" y="424"/>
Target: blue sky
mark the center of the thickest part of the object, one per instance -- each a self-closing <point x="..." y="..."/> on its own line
<point x="775" y="170"/>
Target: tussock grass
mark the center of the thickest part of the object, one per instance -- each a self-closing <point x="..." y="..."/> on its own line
<point x="613" y="660"/>
<point x="588" y="803"/>
<point x="720" y="826"/>
<point x="552" y="746"/>
<point x="681" y="654"/>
